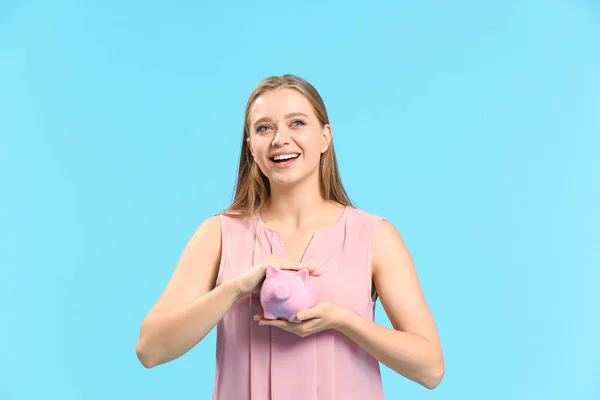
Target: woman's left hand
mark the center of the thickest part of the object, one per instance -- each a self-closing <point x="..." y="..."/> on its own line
<point x="321" y="317"/>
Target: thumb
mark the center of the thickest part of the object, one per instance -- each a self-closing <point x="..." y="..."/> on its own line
<point x="314" y="312"/>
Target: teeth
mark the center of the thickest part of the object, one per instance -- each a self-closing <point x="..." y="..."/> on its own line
<point x="285" y="157"/>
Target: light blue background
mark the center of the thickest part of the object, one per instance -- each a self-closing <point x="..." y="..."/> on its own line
<point x="475" y="128"/>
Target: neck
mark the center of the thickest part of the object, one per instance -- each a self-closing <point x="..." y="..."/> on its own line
<point x="298" y="205"/>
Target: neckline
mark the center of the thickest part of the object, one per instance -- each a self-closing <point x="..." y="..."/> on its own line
<point x="326" y="228"/>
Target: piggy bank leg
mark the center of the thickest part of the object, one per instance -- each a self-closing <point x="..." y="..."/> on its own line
<point x="268" y="315"/>
<point x="292" y="318"/>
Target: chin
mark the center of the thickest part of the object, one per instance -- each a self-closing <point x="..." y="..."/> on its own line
<point x="291" y="179"/>
<point x="287" y="177"/>
<point x="285" y="181"/>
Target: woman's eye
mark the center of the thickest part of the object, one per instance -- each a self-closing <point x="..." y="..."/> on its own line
<point x="262" y="128"/>
<point x="298" y="123"/>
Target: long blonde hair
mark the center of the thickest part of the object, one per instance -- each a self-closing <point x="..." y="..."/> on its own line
<point x="252" y="190"/>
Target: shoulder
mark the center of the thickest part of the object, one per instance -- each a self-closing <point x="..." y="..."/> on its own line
<point x="382" y="225"/>
<point x="389" y="248"/>
<point x="208" y="232"/>
<point x="235" y="220"/>
<point x="387" y="243"/>
<point x="212" y="223"/>
<point x="368" y="223"/>
<point x="386" y="235"/>
<point x="359" y="216"/>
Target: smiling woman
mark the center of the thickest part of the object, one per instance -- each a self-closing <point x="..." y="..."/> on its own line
<point x="291" y="211"/>
<point x="279" y="139"/>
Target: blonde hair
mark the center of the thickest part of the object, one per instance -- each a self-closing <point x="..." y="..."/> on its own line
<point x="252" y="189"/>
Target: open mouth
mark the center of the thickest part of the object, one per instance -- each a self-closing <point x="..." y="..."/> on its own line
<point x="284" y="159"/>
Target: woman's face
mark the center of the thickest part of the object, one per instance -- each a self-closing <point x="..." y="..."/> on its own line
<point x="285" y="136"/>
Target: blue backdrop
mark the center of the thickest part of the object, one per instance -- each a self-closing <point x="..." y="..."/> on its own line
<point x="475" y="128"/>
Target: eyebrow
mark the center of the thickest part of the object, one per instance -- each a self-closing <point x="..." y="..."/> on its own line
<point x="286" y="116"/>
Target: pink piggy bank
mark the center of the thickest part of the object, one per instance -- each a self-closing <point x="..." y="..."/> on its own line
<point x="285" y="293"/>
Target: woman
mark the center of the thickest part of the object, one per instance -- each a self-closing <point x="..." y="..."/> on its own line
<point x="291" y="211"/>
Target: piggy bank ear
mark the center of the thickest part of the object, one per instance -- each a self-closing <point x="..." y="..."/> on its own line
<point x="272" y="271"/>
<point x="303" y="274"/>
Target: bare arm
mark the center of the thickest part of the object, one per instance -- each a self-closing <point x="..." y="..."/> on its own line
<point x="190" y="306"/>
<point x="412" y="348"/>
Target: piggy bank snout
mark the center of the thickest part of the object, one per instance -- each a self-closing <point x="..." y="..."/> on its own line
<point x="282" y="292"/>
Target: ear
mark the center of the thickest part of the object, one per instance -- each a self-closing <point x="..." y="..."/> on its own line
<point x="272" y="271"/>
<point x="326" y="136"/>
<point x="249" y="147"/>
<point x="303" y="274"/>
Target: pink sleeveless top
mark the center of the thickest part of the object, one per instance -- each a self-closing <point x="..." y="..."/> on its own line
<point x="267" y="363"/>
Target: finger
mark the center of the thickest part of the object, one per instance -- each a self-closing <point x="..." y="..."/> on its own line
<point x="279" y="323"/>
<point x="301" y="329"/>
<point x="308" y="314"/>
<point x="264" y="321"/>
<point x="296" y="267"/>
<point x="311" y="313"/>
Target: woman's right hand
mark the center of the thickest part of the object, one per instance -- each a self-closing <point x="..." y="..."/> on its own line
<point x="251" y="280"/>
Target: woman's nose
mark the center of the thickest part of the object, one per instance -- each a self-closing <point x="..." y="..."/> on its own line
<point x="281" y="137"/>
